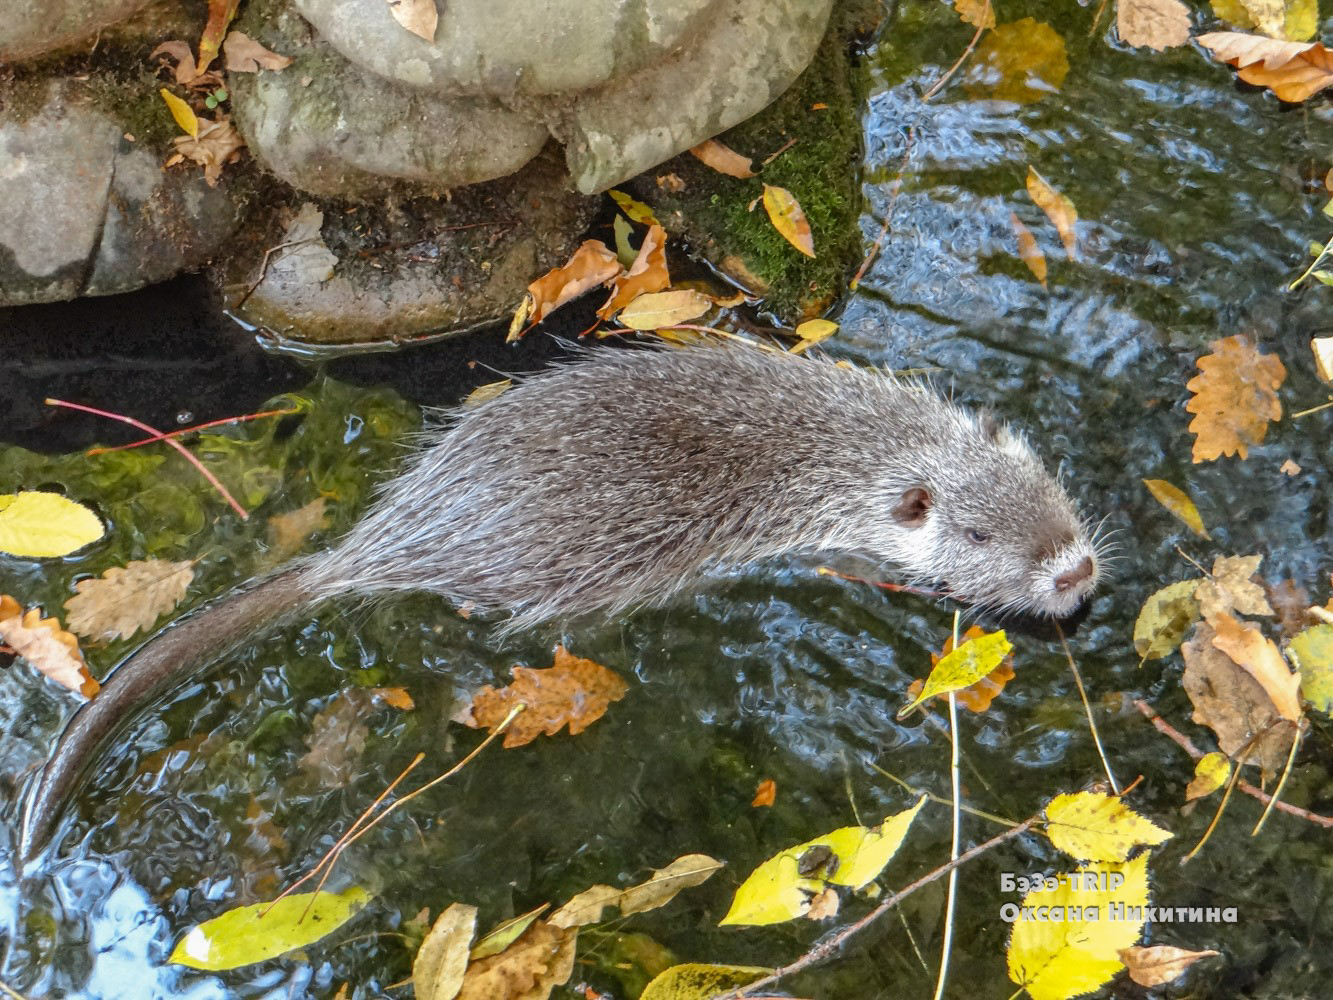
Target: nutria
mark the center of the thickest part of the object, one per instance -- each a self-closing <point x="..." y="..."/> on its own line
<point x="618" y="480"/>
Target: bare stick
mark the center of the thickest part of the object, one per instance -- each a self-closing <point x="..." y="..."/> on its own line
<point x="1087" y="708"/>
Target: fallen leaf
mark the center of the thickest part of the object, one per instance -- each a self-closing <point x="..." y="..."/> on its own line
<point x="304" y="257"/>
<point x="1160" y="964"/>
<point x="636" y="210"/>
<point x="1323" y="357"/>
<point x="1289" y="468"/>
<point x="44" y="644"/>
<point x="1092" y="826"/>
<point x="185" y="70"/>
<point x="418" y="16"/>
<point x="723" y="159"/>
<point x="812" y="332"/>
<point x="623" y="230"/>
<point x="823" y="906"/>
<point x="1293" y="21"/>
<point x="245" y="55"/>
<point x="1023" y="61"/>
<point x="1158" y="24"/>
<point x="1059" y="209"/>
<point x="127" y="598"/>
<point x="441" y="961"/>
<point x="659" y="309"/>
<point x="220" y="14"/>
<point x="394" y="697"/>
<point x="671" y="183"/>
<point x="1178" y="502"/>
<point x="695" y="981"/>
<point x="976" y="697"/>
<point x="657" y="890"/>
<point x="529" y="969"/>
<point x="978" y="13"/>
<point x="1291" y="604"/>
<point x="1294" y="71"/>
<point x="182" y="112"/>
<point x="648" y="273"/>
<point x="1254" y="651"/>
<point x="592" y="264"/>
<point x="1028" y="251"/>
<point x="962" y="667"/>
<point x="217" y="144"/>
<point x="337" y="738"/>
<point x="1165" y="618"/>
<point x="765" y="794"/>
<point x="1234" y="399"/>
<point x="573" y="692"/>
<point x="485" y="393"/>
<point x="788" y="218"/>
<point x="288" y="533"/>
<point x="1312" y="653"/>
<point x="1232" y="587"/>
<point x="497" y="939"/>
<point x="39" y="525"/>
<point x="1211" y="773"/>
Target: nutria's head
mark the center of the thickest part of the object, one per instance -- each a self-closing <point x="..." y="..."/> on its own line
<point x="987" y="519"/>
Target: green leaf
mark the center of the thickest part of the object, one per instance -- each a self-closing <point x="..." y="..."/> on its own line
<point x="506" y="934"/>
<point x="1312" y="652"/>
<point x="37" y="525"/>
<point x="636" y="210"/>
<point x="963" y="667"/>
<point x="1165" y="618"/>
<point x="260" y="931"/>
<point x="625" y="253"/>
<point x="696" y="981"/>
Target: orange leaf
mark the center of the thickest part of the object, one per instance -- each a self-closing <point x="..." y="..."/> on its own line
<point x="766" y="794"/>
<point x="220" y="13"/>
<point x="1235" y="398"/>
<point x="1028" y="251"/>
<point x="1059" y="209"/>
<point x="977" y="697"/>
<point x="245" y="55"/>
<point x="592" y="265"/>
<point x="44" y="644"/>
<point x="1294" y="71"/>
<point x="723" y="159"/>
<point x="789" y="219"/>
<point x="648" y="273"/>
<point x="1260" y="657"/>
<point x="396" y="697"/>
<point x="574" y="692"/>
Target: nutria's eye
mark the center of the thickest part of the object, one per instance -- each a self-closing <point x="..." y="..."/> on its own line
<point x="977" y="537"/>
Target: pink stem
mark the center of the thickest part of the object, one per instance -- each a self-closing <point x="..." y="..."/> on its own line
<point x="158" y="434"/>
<point x="190" y="430"/>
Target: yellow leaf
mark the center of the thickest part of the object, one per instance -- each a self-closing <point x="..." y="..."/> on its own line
<point x="636" y="210"/>
<point x="1023" y="61"/>
<point x="125" y="599"/>
<point x="1056" y="959"/>
<point x="963" y="667"/>
<point x="485" y="393"/>
<point x="696" y="981"/>
<point x="182" y="112"/>
<point x="1323" y="357"/>
<point x="1090" y="826"/>
<point x="723" y="159"/>
<point x="1160" y="964"/>
<point x="1211" y="773"/>
<point x="788" y="218"/>
<point x="657" y="309"/>
<point x="978" y="13"/>
<point x="1158" y="24"/>
<point x="1059" y="209"/>
<point x="499" y="938"/>
<point x="1165" y="618"/>
<point x="35" y="525"/>
<point x="812" y="332"/>
<point x="1028" y="251"/>
<point x="1178" y="502"/>
<point x="1312" y="652"/>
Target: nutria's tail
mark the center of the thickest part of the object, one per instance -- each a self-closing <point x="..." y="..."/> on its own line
<point x="171" y="655"/>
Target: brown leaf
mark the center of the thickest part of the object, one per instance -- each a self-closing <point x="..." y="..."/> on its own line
<point x="1291" y="604"/>
<point x="1059" y="209"/>
<point x="1232" y="587"/>
<point x="657" y="890"/>
<point x="288" y="533"/>
<point x="418" y="16"/>
<point x="44" y="644"/>
<point x="723" y="159"/>
<point x="1158" y="24"/>
<point x="574" y="692"/>
<point x="245" y="55"/>
<point x="337" y="738"/>
<point x="1294" y="71"/>
<point x="1254" y="651"/>
<point x="978" y="13"/>
<point x="591" y="265"/>
<point x="1158" y="965"/>
<point x="1235" y="398"/>
<point x="127" y="598"/>
<point x="217" y="144"/>
<point x="220" y="14"/>
<point x="529" y="969"/>
<point x="788" y="218"/>
<point x="441" y="961"/>
<point x="766" y="794"/>
<point x="647" y="274"/>
<point x="180" y="51"/>
<point x="1028" y="251"/>
<point x="824" y="905"/>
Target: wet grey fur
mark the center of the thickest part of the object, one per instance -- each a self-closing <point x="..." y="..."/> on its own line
<point x="618" y="480"/>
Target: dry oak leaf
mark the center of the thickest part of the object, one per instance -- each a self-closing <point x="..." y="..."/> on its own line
<point x="127" y="598"/>
<point x="1294" y="71"/>
<point x="245" y="55"/>
<point x="723" y="159"/>
<point x="418" y="16"/>
<point x="1158" y="24"/>
<point x="574" y="692"/>
<point x="1232" y="587"/>
<point x="591" y="265"/>
<point x="529" y="969"/>
<point x="44" y="644"/>
<point x="647" y="274"/>
<point x="1159" y="965"/>
<point x="1235" y="398"/>
<point x="217" y="144"/>
<point x="1059" y="209"/>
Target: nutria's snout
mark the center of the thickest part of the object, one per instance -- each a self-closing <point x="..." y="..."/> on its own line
<point x="1069" y="583"/>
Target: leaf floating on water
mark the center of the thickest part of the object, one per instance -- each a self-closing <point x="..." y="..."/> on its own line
<point x="1028" y="251"/>
<point x="1158" y="24"/>
<point x="1235" y="398"/>
<point x="788" y="218"/>
<point x="529" y="969"/>
<point x="1160" y="964"/>
<point x="1023" y="61"/>
<point x="1232" y="587"/>
<point x="573" y="692"/>
<point x="37" y="525"/>
<point x="976" y="697"/>
<point x="485" y="393"/>
<point x="44" y="644"/>
<point x="1091" y="826"/>
<point x="497" y="939"/>
<point x="1165" y="618"/>
<point x="182" y="112"/>
<point x="127" y="598"/>
<point x="659" y="309"/>
<point x="418" y="16"/>
<point x="723" y="159"/>
<point x="1258" y="655"/>
<point x="1059" y="209"/>
<point x="437" y="971"/>
<point x="592" y="264"/>
<point x="978" y="13"/>
<point x="288" y="533"/>
<point x="1293" y="21"/>
<point x="1178" y="502"/>
<point x="962" y="667"/>
<point x="656" y="890"/>
<point x="260" y="931"/>
<point x="1211" y="773"/>
<point x="1294" y="71"/>
<point x="1312" y="652"/>
<point x="812" y="332"/>
<point x="635" y="209"/>
<point x="245" y="55"/>
<point x="697" y="981"/>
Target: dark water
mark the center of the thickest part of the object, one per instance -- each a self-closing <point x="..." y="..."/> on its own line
<point x="1197" y="200"/>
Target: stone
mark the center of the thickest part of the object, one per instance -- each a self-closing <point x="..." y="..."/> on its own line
<point x="84" y="211"/>
<point x="31" y="28"/>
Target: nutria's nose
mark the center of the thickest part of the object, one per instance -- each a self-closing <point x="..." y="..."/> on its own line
<point x="1072" y="578"/>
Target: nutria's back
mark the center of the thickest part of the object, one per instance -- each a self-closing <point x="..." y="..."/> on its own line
<point x="617" y="480"/>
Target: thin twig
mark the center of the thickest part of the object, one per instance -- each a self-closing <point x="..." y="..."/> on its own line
<point x="190" y="430"/>
<point x="1087" y="708"/>
<point x="897" y="588"/>
<point x="263" y="267"/>
<point x="10" y="992"/>
<point x="1313" y="409"/>
<point x="981" y="29"/>
<point x="1281" y="782"/>
<point x="956" y="781"/>
<point x="832" y="943"/>
<point x="185" y="452"/>
<point x="780" y="150"/>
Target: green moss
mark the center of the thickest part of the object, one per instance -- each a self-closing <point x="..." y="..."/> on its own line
<point x="821" y="169"/>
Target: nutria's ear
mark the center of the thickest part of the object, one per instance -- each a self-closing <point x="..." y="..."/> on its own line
<point x="912" y="507"/>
